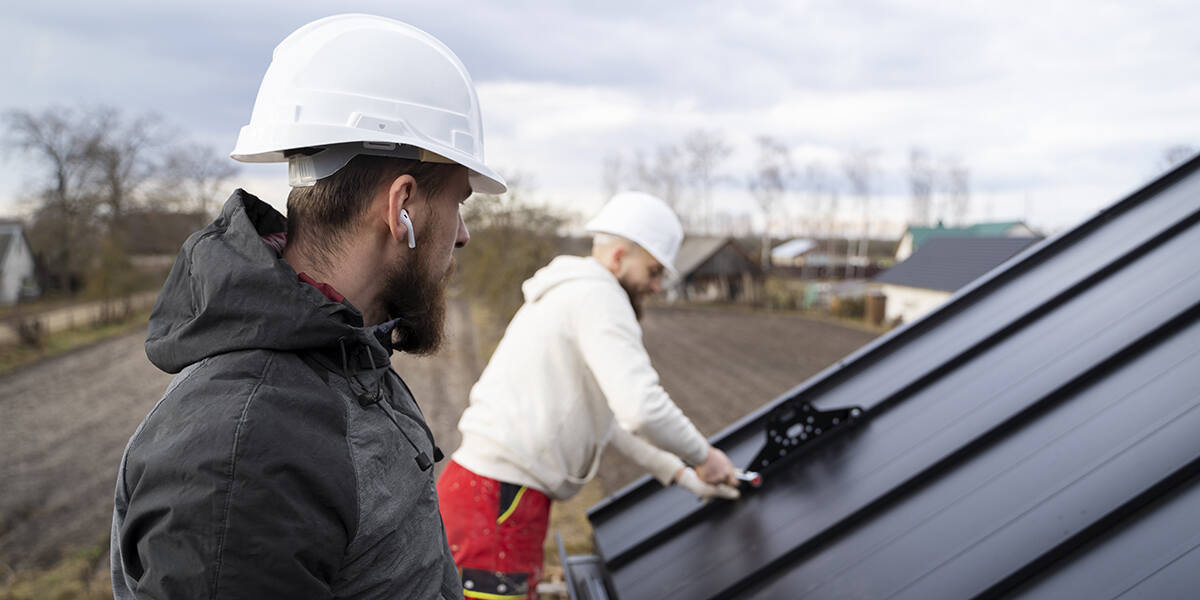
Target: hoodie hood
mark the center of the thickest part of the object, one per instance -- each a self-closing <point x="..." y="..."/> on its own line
<point x="229" y="291"/>
<point x="561" y="270"/>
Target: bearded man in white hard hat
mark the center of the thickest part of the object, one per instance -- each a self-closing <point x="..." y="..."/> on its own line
<point x="570" y="376"/>
<point x="287" y="459"/>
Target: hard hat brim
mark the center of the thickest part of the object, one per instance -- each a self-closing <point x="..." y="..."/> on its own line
<point x="255" y="147"/>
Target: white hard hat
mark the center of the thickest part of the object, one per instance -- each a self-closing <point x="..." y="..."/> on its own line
<point x="361" y="84"/>
<point x="644" y="220"/>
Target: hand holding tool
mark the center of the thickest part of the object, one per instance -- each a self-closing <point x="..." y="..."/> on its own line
<point x="690" y="481"/>
<point x="754" y="479"/>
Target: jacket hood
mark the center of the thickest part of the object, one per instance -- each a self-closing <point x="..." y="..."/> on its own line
<point x="228" y="291"/>
<point x="561" y="270"/>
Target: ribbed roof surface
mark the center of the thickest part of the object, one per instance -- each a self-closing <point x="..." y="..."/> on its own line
<point x="1033" y="437"/>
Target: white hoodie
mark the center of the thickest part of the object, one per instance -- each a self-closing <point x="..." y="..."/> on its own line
<point x="571" y="360"/>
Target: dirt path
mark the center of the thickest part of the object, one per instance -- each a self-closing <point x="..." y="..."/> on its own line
<point x="63" y="425"/>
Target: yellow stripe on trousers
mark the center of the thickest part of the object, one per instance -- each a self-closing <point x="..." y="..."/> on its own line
<point x="511" y="507"/>
<point x="487" y="596"/>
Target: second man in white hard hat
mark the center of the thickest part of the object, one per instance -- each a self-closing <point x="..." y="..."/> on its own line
<point x="570" y="376"/>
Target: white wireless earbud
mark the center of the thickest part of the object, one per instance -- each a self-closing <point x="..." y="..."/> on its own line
<point x="412" y="238"/>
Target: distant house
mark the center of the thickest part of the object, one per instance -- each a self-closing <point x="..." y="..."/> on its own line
<point x="16" y="265"/>
<point x="831" y="258"/>
<point x="714" y="269"/>
<point x="792" y="252"/>
<point x="940" y="267"/>
<point x="915" y="237"/>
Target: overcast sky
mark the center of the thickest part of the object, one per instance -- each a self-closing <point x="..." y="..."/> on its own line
<point x="1056" y="108"/>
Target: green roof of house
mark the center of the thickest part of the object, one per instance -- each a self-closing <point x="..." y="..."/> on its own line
<point x="921" y="235"/>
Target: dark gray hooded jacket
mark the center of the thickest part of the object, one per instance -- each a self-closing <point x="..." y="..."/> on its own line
<point x="286" y="459"/>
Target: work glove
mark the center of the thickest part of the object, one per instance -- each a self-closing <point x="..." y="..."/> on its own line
<point x="688" y="480"/>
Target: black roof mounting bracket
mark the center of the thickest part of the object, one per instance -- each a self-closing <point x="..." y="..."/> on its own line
<point x="794" y="425"/>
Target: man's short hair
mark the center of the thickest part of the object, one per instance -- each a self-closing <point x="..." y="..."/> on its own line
<point x="608" y="239"/>
<point x="322" y="215"/>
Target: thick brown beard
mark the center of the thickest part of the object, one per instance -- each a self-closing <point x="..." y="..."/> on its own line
<point x="635" y="299"/>
<point x="416" y="297"/>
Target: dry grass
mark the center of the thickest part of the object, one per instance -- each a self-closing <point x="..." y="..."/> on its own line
<point x="82" y="574"/>
<point x="12" y="357"/>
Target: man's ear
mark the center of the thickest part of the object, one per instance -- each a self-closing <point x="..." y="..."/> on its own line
<point x="618" y="256"/>
<point x="399" y="197"/>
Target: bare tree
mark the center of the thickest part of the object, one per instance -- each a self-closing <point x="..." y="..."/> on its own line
<point x="96" y="164"/>
<point x="859" y="168"/>
<point x="958" y="190"/>
<point x="194" y="176"/>
<point x="126" y="157"/>
<point x="511" y="237"/>
<point x="818" y="185"/>
<point x="612" y="174"/>
<point x="706" y="150"/>
<point x="768" y="183"/>
<point x="920" y="181"/>
<point x="663" y="177"/>
<point x="66" y="194"/>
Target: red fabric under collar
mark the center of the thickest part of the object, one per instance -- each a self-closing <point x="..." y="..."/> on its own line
<point x="324" y="288"/>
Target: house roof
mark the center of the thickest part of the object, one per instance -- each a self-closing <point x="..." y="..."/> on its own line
<point x="696" y="249"/>
<point x="1033" y="436"/>
<point x="920" y="235"/>
<point x="949" y="263"/>
<point x="793" y="248"/>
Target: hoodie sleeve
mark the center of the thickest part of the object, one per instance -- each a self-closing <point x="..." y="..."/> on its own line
<point x="610" y="341"/>
<point x="661" y="464"/>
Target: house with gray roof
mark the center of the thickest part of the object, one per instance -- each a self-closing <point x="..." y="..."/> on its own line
<point x="17" y="279"/>
<point x="940" y="267"/>
<point x="914" y="237"/>
<point x="714" y="269"/>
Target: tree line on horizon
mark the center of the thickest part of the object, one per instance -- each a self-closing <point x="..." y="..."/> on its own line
<point x="97" y="172"/>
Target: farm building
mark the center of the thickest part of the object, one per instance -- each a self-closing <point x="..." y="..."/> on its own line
<point x="942" y="266"/>
<point x="792" y="252"/>
<point x="17" y="279"/>
<point x="915" y="236"/>
<point x="831" y="258"/>
<point x="1034" y="437"/>
<point x="714" y="269"/>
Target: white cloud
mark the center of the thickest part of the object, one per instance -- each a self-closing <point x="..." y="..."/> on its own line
<point x="1056" y="108"/>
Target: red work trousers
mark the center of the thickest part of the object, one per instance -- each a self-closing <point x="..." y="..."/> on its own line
<point x="496" y="531"/>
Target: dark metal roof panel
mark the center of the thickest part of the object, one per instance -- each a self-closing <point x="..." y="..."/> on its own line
<point x="1062" y="382"/>
<point x="989" y="512"/>
<point x="948" y="263"/>
<point x="1158" y="534"/>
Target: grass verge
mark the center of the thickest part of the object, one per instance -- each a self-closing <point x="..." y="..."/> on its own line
<point x="82" y="574"/>
<point x="13" y="357"/>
